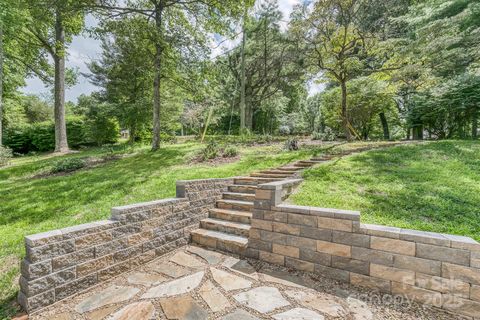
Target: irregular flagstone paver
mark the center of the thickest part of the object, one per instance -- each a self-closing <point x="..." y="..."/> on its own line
<point x="143" y="310"/>
<point x="169" y="269"/>
<point x="298" y="314"/>
<point x="145" y="279"/>
<point x="284" y="278"/>
<point x="186" y="260"/>
<point x="178" y="286"/>
<point x="113" y="294"/>
<point x="229" y="281"/>
<point x="115" y="299"/>
<point x="262" y="299"/>
<point x="101" y="313"/>
<point x="359" y="309"/>
<point x="213" y="297"/>
<point x="239" y="314"/>
<point x="211" y="257"/>
<point x="324" y="303"/>
<point x="184" y="308"/>
<point x="241" y="266"/>
<point x="62" y="316"/>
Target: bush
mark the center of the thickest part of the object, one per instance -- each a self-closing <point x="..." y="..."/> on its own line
<point x="230" y="152"/>
<point x="168" y="138"/>
<point x="103" y="130"/>
<point x="18" y="139"/>
<point x="68" y="165"/>
<point x="77" y="132"/>
<point x="211" y="151"/>
<point x="284" y="130"/>
<point x="5" y="155"/>
<point x="326" y="135"/>
<point x="144" y="135"/>
<point x="42" y="136"/>
<point x="291" y="144"/>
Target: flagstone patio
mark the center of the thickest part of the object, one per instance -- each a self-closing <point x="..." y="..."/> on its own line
<point x="196" y="283"/>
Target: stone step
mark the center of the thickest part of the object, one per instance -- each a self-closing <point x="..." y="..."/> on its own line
<point x="230" y="215"/>
<point x="242" y="188"/>
<point x="278" y="171"/>
<point x="270" y="175"/>
<point x="302" y="165"/>
<point x="311" y="162"/>
<point x="290" y="168"/>
<point x="230" y="227"/>
<point x="238" y="196"/>
<point x="254" y="180"/>
<point x="235" y="205"/>
<point x="323" y="158"/>
<point x="220" y="240"/>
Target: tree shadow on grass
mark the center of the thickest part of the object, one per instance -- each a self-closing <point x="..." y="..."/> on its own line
<point x="22" y="200"/>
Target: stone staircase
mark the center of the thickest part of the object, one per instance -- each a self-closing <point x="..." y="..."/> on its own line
<point x="228" y="224"/>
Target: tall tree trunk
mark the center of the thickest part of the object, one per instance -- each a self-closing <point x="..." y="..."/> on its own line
<point x="348" y="136"/>
<point x="386" y="131"/>
<point x="242" y="77"/>
<point x="1" y="84"/>
<point x="248" y="113"/>
<point x="474" y="124"/>
<point x="132" y="135"/>
<point x="61" y="144"/>
<point x="365" y="134"/>
<point x="207" y="122"/>
<point x="418" y="132"/>
<point x="157" y="79"/>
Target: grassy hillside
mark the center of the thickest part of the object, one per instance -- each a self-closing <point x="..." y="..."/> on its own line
<point x="32" y="203"/>
<point x="430" y="186"/>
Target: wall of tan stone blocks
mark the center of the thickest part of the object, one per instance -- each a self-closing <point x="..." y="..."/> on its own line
<point x="63" y="262"/>
<point x="437" y="269"/>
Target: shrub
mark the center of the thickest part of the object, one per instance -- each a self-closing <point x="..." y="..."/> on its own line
<point x="68" y="165"/>
<point x="326" y="135"/>
<point x="42" y="136"/>
<point x="211" y="151"/>
<point x="5" y="155"/>
<point x="284" y="130"/>
<point x="291" y="144"/>
<point x="230" y="152"/>
<point x="103" y="130"/>
<point x="77" y="132"/>
<point x="144" y="135"/>
<point x="168" y="138"/>
<point x="18" y="139"/>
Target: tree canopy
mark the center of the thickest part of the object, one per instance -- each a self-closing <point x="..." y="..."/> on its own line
<point x="389" y="70"/>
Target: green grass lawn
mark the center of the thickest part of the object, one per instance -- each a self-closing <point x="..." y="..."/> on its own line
<point x="430" y="186"/>
<point x="31" y="205"/>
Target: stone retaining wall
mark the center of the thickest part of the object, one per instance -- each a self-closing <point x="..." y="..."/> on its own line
<point x="63" y="262"/>
<point x="437" y="269"/>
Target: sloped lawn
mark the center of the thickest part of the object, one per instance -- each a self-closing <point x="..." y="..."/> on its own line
<point x="432" y="186"/>
<point x="31" y="203"/>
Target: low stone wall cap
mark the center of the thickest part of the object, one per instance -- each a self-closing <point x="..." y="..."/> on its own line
<point x="144" y="205"/>
<point x="43" y="238"/>
<point x="277" y="184"/>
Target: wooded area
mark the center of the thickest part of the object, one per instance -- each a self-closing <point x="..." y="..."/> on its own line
<point x="394" y="69"/>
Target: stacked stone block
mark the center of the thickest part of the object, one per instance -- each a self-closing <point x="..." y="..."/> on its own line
<point x="436" y="269"/>
<point x="63" y="262"/>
